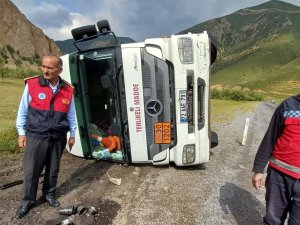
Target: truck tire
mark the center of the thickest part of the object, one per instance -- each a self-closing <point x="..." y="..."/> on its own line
<point x="213" y="139"/>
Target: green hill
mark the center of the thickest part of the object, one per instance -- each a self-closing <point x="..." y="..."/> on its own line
<point x="258" y="49"/>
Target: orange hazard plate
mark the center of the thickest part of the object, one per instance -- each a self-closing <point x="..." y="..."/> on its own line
<point x="162" y="133"/>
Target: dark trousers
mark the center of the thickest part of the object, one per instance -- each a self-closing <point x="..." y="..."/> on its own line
<point x="282" y="199"/>
<point x="39" y="154"/>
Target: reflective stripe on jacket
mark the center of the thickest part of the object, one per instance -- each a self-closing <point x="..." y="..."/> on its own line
<point x="283" y="165"/>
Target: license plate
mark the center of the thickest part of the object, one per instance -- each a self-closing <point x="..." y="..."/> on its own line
<point x="183" y="107"/>
<point x="162" y="133"/>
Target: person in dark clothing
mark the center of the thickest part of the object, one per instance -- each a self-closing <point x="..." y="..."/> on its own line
<point x="280" y="149"/>
<point x="46" y="113"/>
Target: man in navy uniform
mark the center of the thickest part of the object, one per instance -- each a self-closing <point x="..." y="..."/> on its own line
<point x="46" y="113"/>
<point x="280" y="148"/>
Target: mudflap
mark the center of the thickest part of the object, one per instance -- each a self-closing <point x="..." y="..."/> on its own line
<point x="214" y="139"/>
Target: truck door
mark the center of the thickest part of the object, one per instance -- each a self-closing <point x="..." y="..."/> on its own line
<point x="73" y="70"/>
<point x="96" y="101"/>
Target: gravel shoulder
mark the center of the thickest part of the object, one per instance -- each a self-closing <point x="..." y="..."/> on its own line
<point x="219" y="192"/>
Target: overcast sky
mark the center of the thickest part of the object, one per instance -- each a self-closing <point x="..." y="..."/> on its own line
<point x="138" y="19"/>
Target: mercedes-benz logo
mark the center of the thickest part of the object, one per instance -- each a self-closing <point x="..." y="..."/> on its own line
<point x="153" y="107"/>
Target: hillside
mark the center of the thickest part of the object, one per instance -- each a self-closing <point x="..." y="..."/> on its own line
<point x="258" y="48"/>
<point x="21" y="43"/>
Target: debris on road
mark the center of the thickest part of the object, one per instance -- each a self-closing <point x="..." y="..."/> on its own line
<point x="80" y="214"/>
<point x="113" y="180"/>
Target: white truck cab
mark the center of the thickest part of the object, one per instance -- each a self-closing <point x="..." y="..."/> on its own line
<point x="153" y="95"/>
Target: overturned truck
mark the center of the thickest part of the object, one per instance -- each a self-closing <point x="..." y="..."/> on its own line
<point x="146" y="102"/>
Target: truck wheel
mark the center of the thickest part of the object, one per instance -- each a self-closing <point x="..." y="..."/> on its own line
<point x="213" y="139"/>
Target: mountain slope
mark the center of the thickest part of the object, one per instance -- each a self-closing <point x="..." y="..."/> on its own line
<point x="21" y="43"/>
<point x="273" y="65"/>
<point x="245" y="30"/>
<point x="256" y="47"/>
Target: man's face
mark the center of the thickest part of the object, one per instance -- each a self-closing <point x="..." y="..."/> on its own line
<point x="51" y="68"/>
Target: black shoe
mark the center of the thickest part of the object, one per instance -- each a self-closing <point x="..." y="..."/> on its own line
<point x="52" y="202"/>
<point x="22" y="211"/>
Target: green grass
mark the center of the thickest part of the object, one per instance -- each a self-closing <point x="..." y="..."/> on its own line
<point x="236" y="95"/>
<point x="11" y="90"/>
<point x="9" y="140"/>
<point x="10" y="93"/>
<point x="225" y="110"/>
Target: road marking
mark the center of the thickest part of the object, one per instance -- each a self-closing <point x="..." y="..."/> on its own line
<point x="246" y="131"/>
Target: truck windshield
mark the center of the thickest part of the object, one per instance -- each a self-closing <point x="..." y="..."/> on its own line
<point x="101" y="91"/>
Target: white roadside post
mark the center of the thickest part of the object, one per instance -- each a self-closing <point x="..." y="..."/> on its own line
<point x="246" y="131"/>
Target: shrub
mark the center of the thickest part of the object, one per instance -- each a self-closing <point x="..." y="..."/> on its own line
<point x="4" y="55"/>
<point x="18" y="62"/>
<point x="8" y="140"/>
<point x="20" y="72"/>
<point x="10" y="49"/>
<point x="36" y="56"/>
<point x="38" y="61"/>
<point x="236" y="95"/>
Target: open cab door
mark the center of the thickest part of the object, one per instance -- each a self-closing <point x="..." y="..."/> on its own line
<point x="92" y="73"/>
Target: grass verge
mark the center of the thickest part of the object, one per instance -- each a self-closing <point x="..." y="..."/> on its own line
<point x="10" y="94"/>
<point x="225" y="110"/>
<point x="10" y="91"/>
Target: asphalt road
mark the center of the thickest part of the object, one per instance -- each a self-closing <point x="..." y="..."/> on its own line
<point x="219" y="192"/>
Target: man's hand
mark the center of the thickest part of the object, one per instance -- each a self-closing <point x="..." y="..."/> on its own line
<point x="258" y="180"/>
<point x="71" y="142"/>
<point x="22" y="141"/>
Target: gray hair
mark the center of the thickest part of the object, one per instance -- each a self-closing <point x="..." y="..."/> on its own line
<point x="59" y="60"/>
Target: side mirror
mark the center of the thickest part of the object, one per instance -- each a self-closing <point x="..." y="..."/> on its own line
<point x="84" y="32"/>
<point x="103" y="26"/>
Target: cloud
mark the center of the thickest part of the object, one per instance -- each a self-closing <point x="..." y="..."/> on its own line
<point x="64" y="32"/>
<point x="142" y="19"/>
<point x="50" y="16"/>
<point x="43" y="14"/>
<point x="138" y="19"/>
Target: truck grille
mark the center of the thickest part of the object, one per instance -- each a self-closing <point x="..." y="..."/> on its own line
<point x="155" y="77"/>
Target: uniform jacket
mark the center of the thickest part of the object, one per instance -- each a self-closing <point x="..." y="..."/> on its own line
<point x="281" y="143"/>
<point x="47" y="112"/>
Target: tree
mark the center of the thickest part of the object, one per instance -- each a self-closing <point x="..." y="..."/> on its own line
<point x="2" y="63"/>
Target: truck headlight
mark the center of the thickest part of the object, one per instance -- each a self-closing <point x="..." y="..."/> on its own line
<point x="188" y="155"/>
<point x="185" y="50"/>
